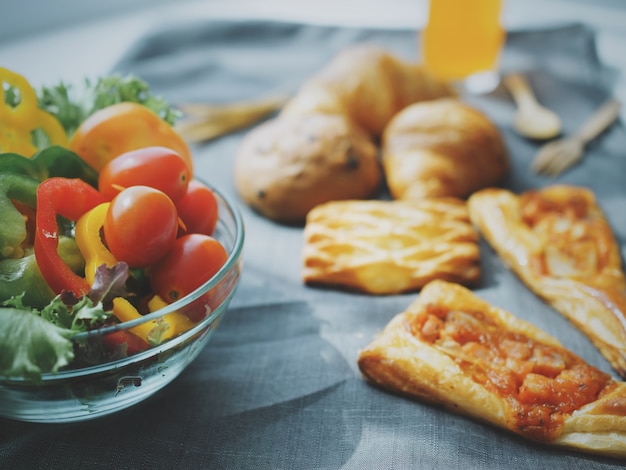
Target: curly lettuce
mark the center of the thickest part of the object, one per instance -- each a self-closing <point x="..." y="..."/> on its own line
<point x="71" y="105"/>
<point x="35" y="342"/>
<point x="30" y="345"/>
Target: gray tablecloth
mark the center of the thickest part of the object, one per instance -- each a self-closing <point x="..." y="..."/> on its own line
<point x="278" y="386"/>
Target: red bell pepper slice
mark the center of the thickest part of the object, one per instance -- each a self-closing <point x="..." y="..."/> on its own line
<point x="120" y="338"/>
<point x="69" y="198"/>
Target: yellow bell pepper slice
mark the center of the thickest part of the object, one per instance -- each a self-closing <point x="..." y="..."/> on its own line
<point x="178" y="322"/>
<point x="125" y="311"/>
<point x="17" y="123"/>
<point x="87" y="234"/>
<point x="156" y="331"/>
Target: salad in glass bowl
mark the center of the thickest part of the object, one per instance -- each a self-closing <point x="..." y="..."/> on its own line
<point x="116" y="262"/>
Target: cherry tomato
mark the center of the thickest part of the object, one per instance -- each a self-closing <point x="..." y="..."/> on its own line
<point x="140" y="226"/>
<point x="198" y="209"/>
<point x="157" y="167"/>
<point x="121" y="127"/>
<point x="191" y="262"/>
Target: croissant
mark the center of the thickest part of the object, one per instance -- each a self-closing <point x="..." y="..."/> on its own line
<point x="321" y="147"/>
<point x="442" y="148"/>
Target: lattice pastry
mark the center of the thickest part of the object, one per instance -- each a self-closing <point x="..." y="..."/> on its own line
<point x="389" y="247"/>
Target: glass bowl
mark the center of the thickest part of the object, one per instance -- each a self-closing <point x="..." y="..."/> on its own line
<point x="88" y="392"/>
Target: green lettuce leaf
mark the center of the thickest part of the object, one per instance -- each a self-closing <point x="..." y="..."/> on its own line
<point x="31" y="345"/>
<point x="81" y="316"/>
<point x="35" y="342"/>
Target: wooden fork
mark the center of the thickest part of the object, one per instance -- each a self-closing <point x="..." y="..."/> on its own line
<point x="557" y="156"/>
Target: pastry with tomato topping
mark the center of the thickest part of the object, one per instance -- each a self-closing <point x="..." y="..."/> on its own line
<point x="390" y="247"/>
<point x="560" y="244"/>
<point x="451" y="348"/>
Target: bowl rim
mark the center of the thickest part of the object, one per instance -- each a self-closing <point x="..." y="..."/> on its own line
<point x="234" y="257"/>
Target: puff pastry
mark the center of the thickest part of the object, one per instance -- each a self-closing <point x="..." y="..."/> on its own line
<point x="389" y="247"/>
<point x="442" y="148"/>
<point x="560" y="244"/>
<point x="454" y="349"/>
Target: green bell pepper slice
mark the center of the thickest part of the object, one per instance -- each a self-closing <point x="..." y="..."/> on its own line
<point x="50" y="162"/>
<point x="22" y="275"/>
<point x="13" y="232"/>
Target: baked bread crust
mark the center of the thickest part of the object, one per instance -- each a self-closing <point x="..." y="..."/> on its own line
<point x="389" y="247"/>
<point x="284" y="168"/>
<point x="451" y="348"/>
<point x="442" y="148"/>
<point x="321" y="146"/>
<point x="367" y="84"/>
<point x="560" y="244"/>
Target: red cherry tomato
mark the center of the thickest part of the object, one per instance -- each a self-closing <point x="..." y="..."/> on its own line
<point x="140" y="226"/>
<point x="157" y="167"/>
<point x="198" y="209"/>
<point x="191" y="262"/>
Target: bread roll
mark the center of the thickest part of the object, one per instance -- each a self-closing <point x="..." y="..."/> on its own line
<point x="368" y="85"/>
<point x="285" y="167"/>
<point x="442" y="148"/>
<point x="321" y="146"/>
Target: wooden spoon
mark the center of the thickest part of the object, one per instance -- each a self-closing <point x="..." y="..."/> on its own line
<point x="531" y="120"/>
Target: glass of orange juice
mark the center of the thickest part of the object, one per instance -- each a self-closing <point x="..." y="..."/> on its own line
<point x="462" y="41"/>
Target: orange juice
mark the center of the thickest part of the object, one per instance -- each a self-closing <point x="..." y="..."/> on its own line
<point x="462" y="37"/>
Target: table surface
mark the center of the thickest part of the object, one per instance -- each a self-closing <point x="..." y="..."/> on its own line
<point x="67" y="54"/>
<point x="71" y="53"/>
